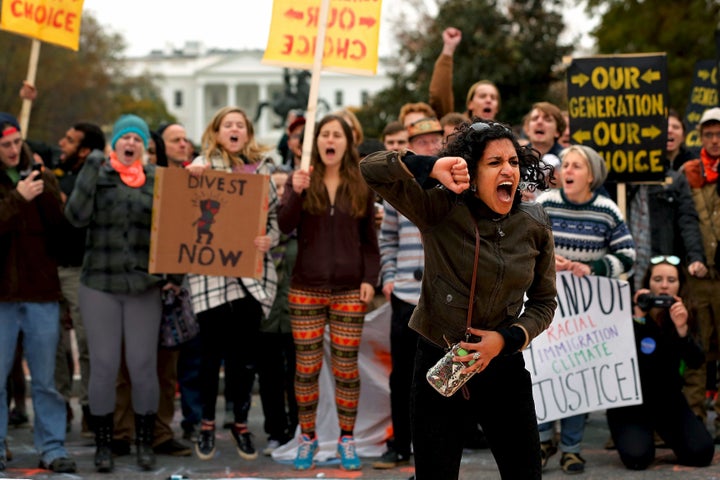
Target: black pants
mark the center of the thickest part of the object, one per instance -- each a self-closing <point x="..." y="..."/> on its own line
<point x="403" y="342"/>
<point x="276" y="377"/>
<point x="502" y="398"/>
<point x="229" y="333"/>
<point x="633" y="428"/>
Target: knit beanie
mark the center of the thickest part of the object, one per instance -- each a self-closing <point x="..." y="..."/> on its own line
<point x="7" y="119"/>
<point x="130" y="124"/>
<point x="597" y="167"/>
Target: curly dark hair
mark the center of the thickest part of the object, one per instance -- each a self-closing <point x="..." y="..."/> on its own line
<point x="470" y="139"/>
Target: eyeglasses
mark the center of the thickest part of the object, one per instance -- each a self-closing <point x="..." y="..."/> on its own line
<point x="711" y="135"/>
<point x="671" y="259"/>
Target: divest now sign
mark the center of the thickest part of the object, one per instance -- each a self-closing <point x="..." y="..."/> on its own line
<point x="207" y="224"/>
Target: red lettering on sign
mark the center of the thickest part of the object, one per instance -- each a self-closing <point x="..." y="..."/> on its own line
<point x="296" y="14"/>
<point x="42" y="15"/>
<point x="344" y="18"/>
<point x="340" y="47"/>
<point x="367" y="22"/>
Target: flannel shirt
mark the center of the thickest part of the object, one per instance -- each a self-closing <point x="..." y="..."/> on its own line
<point x="212" y="291"/>
<point x="119" y="220"/>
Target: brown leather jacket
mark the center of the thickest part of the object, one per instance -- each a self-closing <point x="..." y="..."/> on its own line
<point x="516" y="257"/>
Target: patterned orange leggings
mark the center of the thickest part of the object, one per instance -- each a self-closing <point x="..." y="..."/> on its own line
<point x="310" y="310"/>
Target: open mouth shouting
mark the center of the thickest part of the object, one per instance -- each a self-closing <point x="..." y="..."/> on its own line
<point x="128" y="155"/>
<point x="505" y="192"/>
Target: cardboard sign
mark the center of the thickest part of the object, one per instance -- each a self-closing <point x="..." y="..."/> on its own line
<point x="703" y="95"/>
<point x="208" y="224"/>
<point x="52" y="21"/>
<point x="586" y="360"/>
<point x="618" y="105"/>
<point x="351" y="41"/>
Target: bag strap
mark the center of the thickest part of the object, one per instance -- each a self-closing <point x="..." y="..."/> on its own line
<point x="472" y="284"/>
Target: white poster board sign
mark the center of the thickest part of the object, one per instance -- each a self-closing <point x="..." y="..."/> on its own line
<point x="586" y="359"/>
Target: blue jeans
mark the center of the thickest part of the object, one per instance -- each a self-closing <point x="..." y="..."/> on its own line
<point x="571" y="432"/>
<point x="41" y="331"/>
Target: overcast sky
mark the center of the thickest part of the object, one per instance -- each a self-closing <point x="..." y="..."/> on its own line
<point x="153" y="24"/>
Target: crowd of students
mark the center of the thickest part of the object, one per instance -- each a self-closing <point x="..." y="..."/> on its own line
<point x="525" y="206"/>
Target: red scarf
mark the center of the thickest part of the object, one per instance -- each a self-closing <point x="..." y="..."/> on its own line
<point x="710" y="165"/>
<point x="132" y="175"/>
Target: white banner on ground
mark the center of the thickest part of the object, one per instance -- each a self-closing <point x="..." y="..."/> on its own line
<point x="586" y="359"/>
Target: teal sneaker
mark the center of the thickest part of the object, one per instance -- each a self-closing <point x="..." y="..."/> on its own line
<point x="348" y="456"/>
<point x="306" y="453"/>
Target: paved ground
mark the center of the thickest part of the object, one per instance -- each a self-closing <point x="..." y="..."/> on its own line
<point x="478" y="464"/>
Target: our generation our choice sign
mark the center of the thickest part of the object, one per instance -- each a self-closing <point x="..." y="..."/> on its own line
<point x="586" y="360"/>
<point x="617" y="105"/>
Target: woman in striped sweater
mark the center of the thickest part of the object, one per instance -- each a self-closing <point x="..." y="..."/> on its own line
<point x="591" y="238"/>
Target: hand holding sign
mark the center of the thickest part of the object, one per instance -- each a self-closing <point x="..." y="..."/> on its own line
<point x="300" y="181"/>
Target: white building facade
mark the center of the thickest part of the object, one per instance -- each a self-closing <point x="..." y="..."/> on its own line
<point x="194" y="84"/>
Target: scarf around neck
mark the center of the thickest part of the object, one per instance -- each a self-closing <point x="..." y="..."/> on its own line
<point x="132" y="175"/>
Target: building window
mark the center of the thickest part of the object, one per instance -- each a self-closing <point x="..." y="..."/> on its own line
<point x="178" y="98"/>
<point x="364" y="97"/>
<point x="339" y="98"/>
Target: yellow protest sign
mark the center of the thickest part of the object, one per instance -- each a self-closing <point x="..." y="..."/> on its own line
<point x="52" y="21"/>
<point x="618" y="106"/>
<point x="351" y="41"/>
<point x="703" y="95"/>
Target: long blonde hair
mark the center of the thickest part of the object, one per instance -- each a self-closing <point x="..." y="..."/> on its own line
<point x="251" y="152"/>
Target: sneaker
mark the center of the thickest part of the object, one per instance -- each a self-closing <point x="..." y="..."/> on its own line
<point x="205" y="446"/>
<point x="3" y="462"/>
<point x="272" y="445"/>
<point x="173" y="448"/>
<point x="348" y="456"/>
<point x="391" y="459"/>
<point x="59" y="465"/>
<point x="306" y="453"/>
<point x="244" y="443"/>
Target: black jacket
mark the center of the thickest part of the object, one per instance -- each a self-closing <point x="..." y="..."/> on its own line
<point x="673" y="219"/>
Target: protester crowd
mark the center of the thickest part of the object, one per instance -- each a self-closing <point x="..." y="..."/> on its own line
<point x="399" y="222"/>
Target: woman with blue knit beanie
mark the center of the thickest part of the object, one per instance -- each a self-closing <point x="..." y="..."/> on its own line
<point x="591" y="238"/>
<point x="119" y="300"/>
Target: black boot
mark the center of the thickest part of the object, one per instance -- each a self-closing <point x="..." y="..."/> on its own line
<point x="144" y="430"/>
<point x="103" y="440"/>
